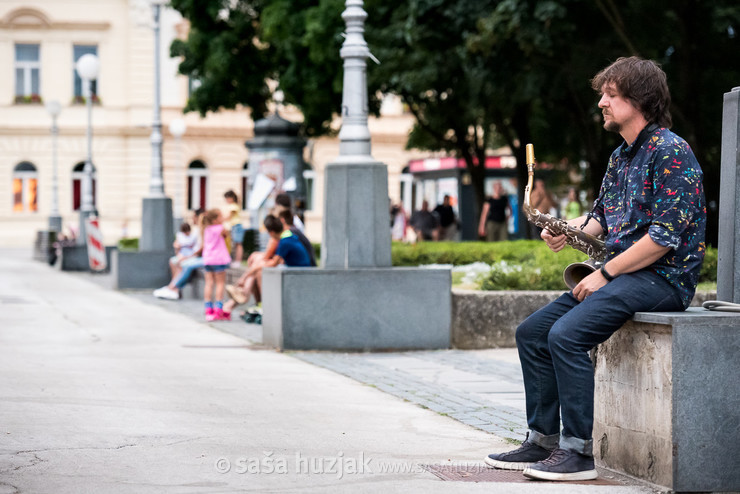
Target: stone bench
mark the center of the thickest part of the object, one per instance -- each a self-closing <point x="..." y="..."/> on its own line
<point x="194" y="287"/>
<point x="488" y="319"/>
<point x="667" y="407"/>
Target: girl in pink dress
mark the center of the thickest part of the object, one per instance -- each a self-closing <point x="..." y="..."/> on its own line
<point x="216" y="260"/>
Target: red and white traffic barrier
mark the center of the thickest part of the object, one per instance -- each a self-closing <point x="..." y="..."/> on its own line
<point x="95" y="247"/>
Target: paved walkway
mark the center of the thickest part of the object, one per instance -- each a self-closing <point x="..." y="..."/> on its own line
<point x="105" y="391"/>
<point x="483" y="388"/>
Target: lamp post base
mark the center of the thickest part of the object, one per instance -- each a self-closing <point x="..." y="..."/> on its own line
<point x="156" y="225"/>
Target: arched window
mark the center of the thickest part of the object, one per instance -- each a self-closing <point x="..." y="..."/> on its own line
<point x="245" y="184"/>
<point x="77" y="176"/>
<point x="197" y="185"/>
<point x="25" y="187"/>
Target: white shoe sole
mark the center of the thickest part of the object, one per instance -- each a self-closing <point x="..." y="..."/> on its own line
<point x="506" y="465"/>
<point x="540" y="475"/>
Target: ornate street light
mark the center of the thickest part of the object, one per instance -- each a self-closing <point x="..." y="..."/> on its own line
<point x="55" y="219"/>
<point x="87" y="68"/>
<point x="156" y="182"/>
<point x="156" y="222"/>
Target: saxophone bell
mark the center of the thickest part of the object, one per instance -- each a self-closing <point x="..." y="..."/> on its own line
<point x="576" y="271"/>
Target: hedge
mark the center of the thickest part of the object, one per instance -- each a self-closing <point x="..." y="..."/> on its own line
<point x="516" y="265"/>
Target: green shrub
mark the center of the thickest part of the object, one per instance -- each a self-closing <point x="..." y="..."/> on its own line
<point x="539" y="269"/>
<point x="527" y="276"/>
<point x="517" y="264"/>
<point x="461" y="253"/>
<point x="709" y="268"/>
<point x="128" y="244"/>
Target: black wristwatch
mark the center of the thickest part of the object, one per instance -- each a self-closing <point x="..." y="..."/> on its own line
<point x="605" y="274"/>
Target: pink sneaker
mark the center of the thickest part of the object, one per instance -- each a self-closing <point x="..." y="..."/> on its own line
<point x="211" y="314"/>
<point x="225" y="316"/>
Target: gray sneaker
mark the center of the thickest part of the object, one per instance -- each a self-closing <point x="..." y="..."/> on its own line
<point x="563" y="464"/>
<point x="520" y="458"/>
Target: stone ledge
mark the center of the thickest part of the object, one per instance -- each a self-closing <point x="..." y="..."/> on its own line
<point x="488" y="319"/>
<point x="666" y="408"/>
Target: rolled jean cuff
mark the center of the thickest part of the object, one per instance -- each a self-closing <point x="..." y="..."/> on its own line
<point x="543" y="441"/>
<point x="582" y="446"/>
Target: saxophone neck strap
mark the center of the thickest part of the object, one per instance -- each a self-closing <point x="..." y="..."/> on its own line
<point x="641" y="138"/>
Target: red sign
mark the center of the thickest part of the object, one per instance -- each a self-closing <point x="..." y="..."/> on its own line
<point x="433" y="164"/>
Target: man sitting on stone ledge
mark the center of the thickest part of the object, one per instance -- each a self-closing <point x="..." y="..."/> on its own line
<point x="651" y="208"/>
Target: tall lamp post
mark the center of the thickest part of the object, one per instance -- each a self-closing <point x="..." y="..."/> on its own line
<point x="177" y="129"/>
<point x="55" y="219"/>
<point x="87" y="68"/>
<point x="156" y="227"/>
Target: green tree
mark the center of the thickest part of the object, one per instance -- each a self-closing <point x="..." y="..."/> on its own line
<point x="475" y="75"/>
<point x="306" y="38"/>
<point x="691" y="39"/>
<point x="222" y="56"/>
<point x="423" y="57"/>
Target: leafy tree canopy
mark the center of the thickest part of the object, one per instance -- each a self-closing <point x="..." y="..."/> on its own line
<point x="475" y="75"/>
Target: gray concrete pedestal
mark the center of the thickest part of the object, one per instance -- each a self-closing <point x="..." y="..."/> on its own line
<point x="356" y="300"/>
<point x="156" y="225"/>
<point x="356" y="214"/>
<point x="134" y="270"/>
<point x="356" y="309"/>
<point x="149" y="267"/>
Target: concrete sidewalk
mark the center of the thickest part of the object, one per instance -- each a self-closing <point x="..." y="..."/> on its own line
<point x="102" y="392"/>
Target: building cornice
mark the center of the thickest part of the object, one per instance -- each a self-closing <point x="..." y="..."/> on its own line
<point x="108" y="131"/>
<point x="28" y="18"/>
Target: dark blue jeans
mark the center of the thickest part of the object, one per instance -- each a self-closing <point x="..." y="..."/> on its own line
<point x="553" y="346"/>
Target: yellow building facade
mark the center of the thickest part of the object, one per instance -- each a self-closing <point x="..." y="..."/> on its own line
<point x="39" y="44"/>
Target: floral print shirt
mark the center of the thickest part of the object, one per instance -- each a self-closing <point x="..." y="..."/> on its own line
<point x="658" y="192"/>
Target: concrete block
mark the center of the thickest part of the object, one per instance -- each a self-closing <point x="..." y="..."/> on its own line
<point x="74" y="258"/>
<point x="356" y="232"/>
<point x="43" y="246"/>
<point x="488" y="319"/>
<point x="728" y="248"/>
<point x="483" y="319"/>
<point x="140" y="269"/>
<point x="666" y="407"/>
<point x="356" y="309"/>
<point x="157" y="230"/>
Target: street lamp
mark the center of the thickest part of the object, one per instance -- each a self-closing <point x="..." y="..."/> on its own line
<point x="55" y="220"/>
<point x="177" y="129"/>
<point x="156" y="183"/>
<point x="87" y="67"/>
<point x="156" y="222"/>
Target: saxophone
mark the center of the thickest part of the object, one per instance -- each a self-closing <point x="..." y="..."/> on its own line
<point x="575" y="237"/>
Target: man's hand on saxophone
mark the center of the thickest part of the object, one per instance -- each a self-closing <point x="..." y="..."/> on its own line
<point x="595" y="280"/>
<point x="557" y="242"/>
